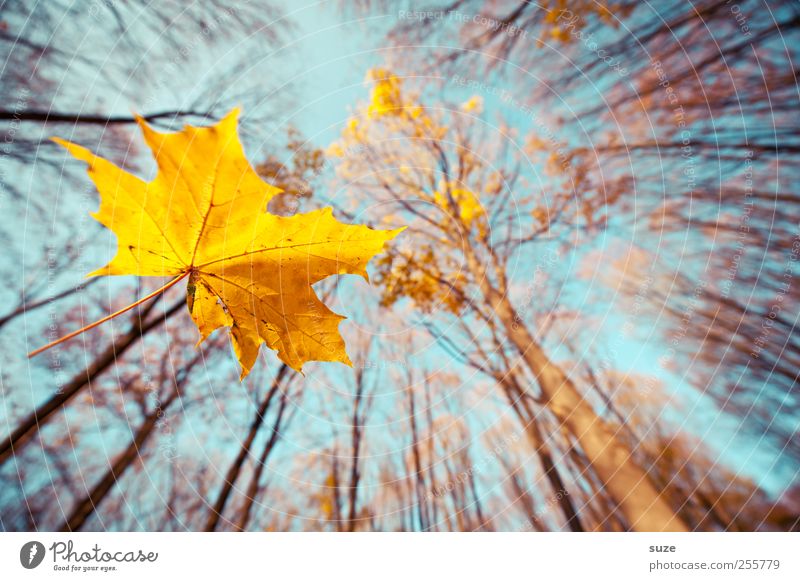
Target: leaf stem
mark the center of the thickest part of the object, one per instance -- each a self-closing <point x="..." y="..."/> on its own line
<point x="156" y="292"/>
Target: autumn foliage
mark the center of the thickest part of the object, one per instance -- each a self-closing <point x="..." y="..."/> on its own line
<point x="205" y="217"/>
<point x="573" y="225"/>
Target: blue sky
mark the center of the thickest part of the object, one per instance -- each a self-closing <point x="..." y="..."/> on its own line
<point x="337" y="51"/>
<point x="330" y="54"/>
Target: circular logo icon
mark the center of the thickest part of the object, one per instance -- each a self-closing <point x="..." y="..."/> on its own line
<point x="31" y="554"/>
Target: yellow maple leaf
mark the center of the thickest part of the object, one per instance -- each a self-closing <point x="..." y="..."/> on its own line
<point x="204" y="217"/>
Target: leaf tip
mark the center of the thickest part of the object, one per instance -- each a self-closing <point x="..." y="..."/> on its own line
<point x="396" y="231"/>
<point x="231" y="119"/>
<point x="99" y="272"/>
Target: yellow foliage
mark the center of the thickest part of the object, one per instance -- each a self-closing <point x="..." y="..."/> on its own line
<point x="473" y="105"/>
<point x="204" y="216"/>
<point x="334" y="150"/>
<point x="535" y="144"/>
<point x="385" y="98"/>
<point x="415" y="111"/>
<point x="390" y="109"/>
<point x="495" y="183"/>
<point x="559" y="34"/>
<point x="353" y="129"/>
<point x="326" y="506"/>
<point x="419" y="277"/>
<point x="468" y="204"/>
<point x="542" y="216"/>
<point x="569" y="18"/>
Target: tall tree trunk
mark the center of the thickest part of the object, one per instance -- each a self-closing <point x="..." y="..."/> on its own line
<point x="252" y="490"/>
<point x="33" y="423"/>
<point x="431" y="472"/>
<point x="332" y="486"/>
<point x="357" y="432"/>
<point x="629" y="485"/>
<point x="523" y="496"/>
<point x="235" y="469"/>
<point x="476" y="501"/>
<point x="84" y="509"/>
<point x="524" y="412"/>
<point x="419" y="477"/>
